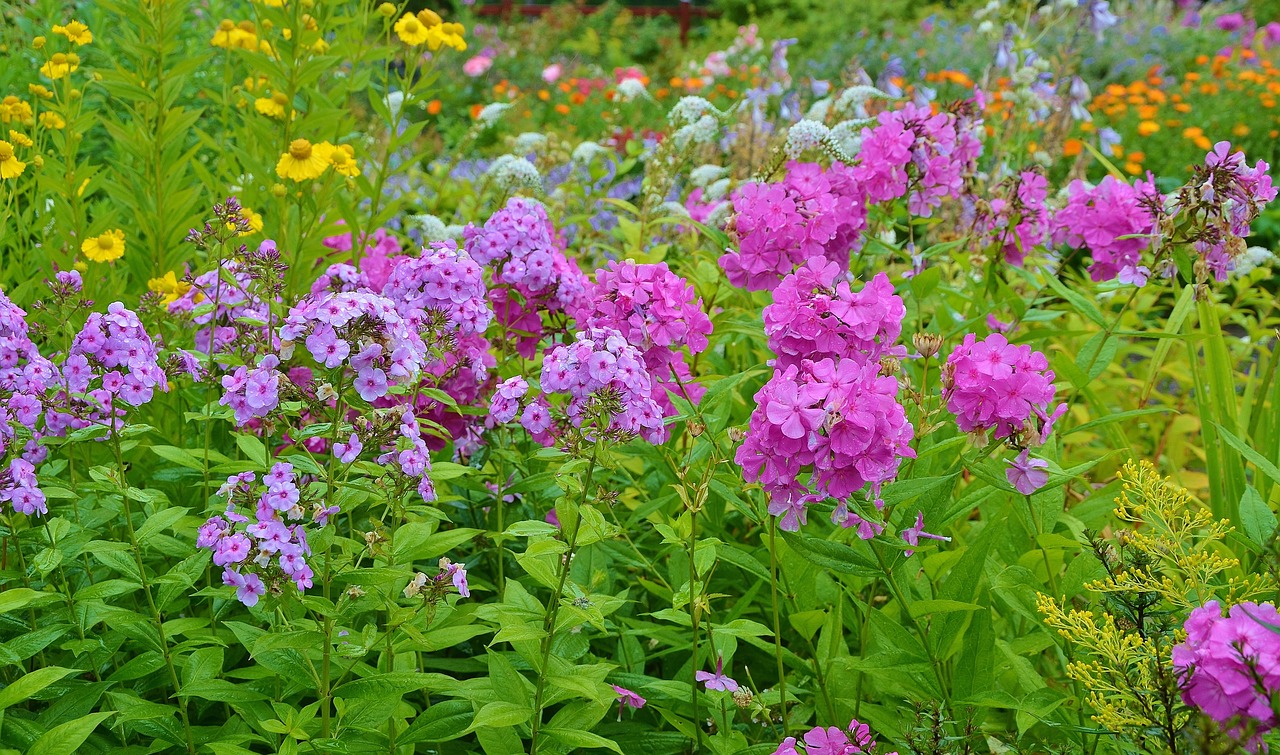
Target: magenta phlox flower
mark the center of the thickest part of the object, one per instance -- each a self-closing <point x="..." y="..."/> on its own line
<point x="995" y="386"/>
<point x="1229" y="666"/>
<point x="1026" y="474"/>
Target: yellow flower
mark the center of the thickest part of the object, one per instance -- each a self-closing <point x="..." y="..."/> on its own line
<point x="40" y="90"/>
<point x="254" y="218"/>
<point x="50" y="119"/>
<point x="10" y="166"/>
<point x="60" y="65"/>
<point x="344" y="161"/>
<point x="274" y="106"/>
<point x="19" y="138"/>
<point x="273" y="3"/>
<point x="320" y="46"/>
<point x="38" y="43"/>
<point x="109" y="246"/>
<point x="245" y="36"/>
<point x="14" y="109"/>
<point x="222" y="37"/>
<point x="303" y="161"/>
<point x="410" y="30"/>
<point x="429" y="18"/>
<point x="75" y="31"/>
<point x="1147" y="128"/>
<point x="386" y="10"/>
<point x="169" y="287"/>
<point x="446" y="35"/>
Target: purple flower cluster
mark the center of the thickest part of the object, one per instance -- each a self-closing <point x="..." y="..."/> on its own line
<point x="814" y="317"/>
<point x="411" y="455"/>
<point x="25" y="376"/>
<point x="530" y="271"/>
<point x="916" y="153"/>
<point x="359" y="330"/>
<point x="657" y="312"/>
<point x="856" y="739"/>
<point x="1222" y="199"/>
<point x="1114" y="221"/>
<point x="1230" y="666"/>
<point x="260" y="556"/>
<point x="993" y="385"/>
<point x="1018" y="219"/>
<point x="841" y="421"/>
<point x="224" y="302"/>
<point x="112" y="364"/>
<point x="444" y="281"/>
<point x="253" y="392"/>
<point x="780" y="226"/>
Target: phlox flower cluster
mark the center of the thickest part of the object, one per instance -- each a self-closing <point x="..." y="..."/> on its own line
<point x="224" y="307"/>
<point x="813" y="317"/>
<point x="1018" y="219"/>
<point x="779" y="226"/>
<point x="530" y="271"/>
<point x="609" y="390"/>
<point x="916" y="153"/>
<point x="379" y="255"/>
<point x="25" y="377"/>
<point x="856" y="739"/>
<point x="359" y="330"/>
<point x="1223" y="198"/>
<point x="408" y="453"/>
<point x="112" y="364"/>
<point x="1230" y="665"/>
<point x="254" y="392"/>
<point x="258" y="555"/>
<point x="837" y="419"/>
<point x="1114" y="222"/>
<point x="995" y="386"/>
<point x="659" y="314"/>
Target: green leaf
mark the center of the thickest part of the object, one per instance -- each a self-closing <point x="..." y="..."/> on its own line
<point x="1256" y="518"/>
<point x="830" y="555"/>
<point x="575" y="738"/>
<point x="440" y="723"/>
<point x="31" y="683"/>
<point x="383" y="685"/>
<point x="159" y="522"/>
<point x="21" y="597"/>
<point x="1259" y="461"/>
<point x="65" y="739"/>
<point x="927" y="607"/>
<point x="500" y="714"/>
<point x="252" y="447"/>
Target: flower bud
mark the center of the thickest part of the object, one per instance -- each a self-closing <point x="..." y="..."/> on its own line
<point x="928" y="344"/>
<point x="742" y="697"/>
<point x="696" y="428"/>
<point x="278" y="191"/>
<point x="38" y="43"/>
<point x="889" y="365"/>
<point x="737" y="434"/>
<point x="386" y="10"/>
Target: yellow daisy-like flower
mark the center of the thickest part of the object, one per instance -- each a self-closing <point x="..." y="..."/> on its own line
<point x="446" y="35"/>
<point x="304" y="161"/>
<point x="320" y="46"/>
<point x="245" y="36"/>
<point x="10" y="166"/>
<point x="254" y="218"/>
<point x="75" y="31"/>
<point x="274" y="106"/>
<point x="344" y="161"/>
<point x="106" y="247"/>
<point x="14" y="109"/>
<point x="169" y="287"/>
<point x="410" y="30"/>
<point x="19" y="138"/>
<point x="40" y="90"/>
<point x="60" y="65"/>
<point x="222" y="37"/>
<point x="273" y="3"/>
<point x="50" y="119"/>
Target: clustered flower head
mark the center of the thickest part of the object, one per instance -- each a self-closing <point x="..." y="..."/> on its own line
<point x="531" y="272"/>
<point x="226" y="308"/>
<point x="432" y="589"/>
<point x="916" y="153"/>
<point x="813" y="316"/>
<point x="659" y="314"/>
<point x="1222" y="199"/>
<point x="840" y="421"/>
<point x="254" y="392"/>
<point x="811" y="213"/>
<point x="1114" y="221"/>
<point x="995" y="386"/>
<point x="856" y="739"/>
<point x="409" y="453"/>
<point x="362" y="331"/>
<point x="1230" y="665"/>
<point x="25" y="376"/>
<point x="1017" y="220"/>
<point x="260" y="556"/>
<point x="609" y="390"/>
<point x="112" y="365"/>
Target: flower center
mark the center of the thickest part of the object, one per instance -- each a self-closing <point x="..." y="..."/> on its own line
<point x="412" y="26"/>
<point x="106" y="242"/>
<point x="6" y="152"/>
<point x="226" y="25"/>
<point x="279" y="98"/>
<point x="300" y="149"/>
<point x="59" y="59"/>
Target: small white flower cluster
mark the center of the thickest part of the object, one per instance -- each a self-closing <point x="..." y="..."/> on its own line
<point x="431" y="227"/>
<point x="514" y="172"/>
<point x="702" y="131"/>
<point x="489" y="114"/>
<point x="705" y="174"/>
<point x="852" y="100"/>
<point x="631" y="89"/>
<point x="690" y="110"/>
<point x="1253" y="258"/>
<point x="584" y="153"/>
<point x="529" y="142"/>
<point x="846" y="137"/>
<point x="805" y="136"/>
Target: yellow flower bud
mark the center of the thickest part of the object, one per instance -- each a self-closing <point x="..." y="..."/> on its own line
<point x="278" y="191"/>
<point x="38" y="43"/>
<point x="386" y="10"/>
<point x="38" y="161"/>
